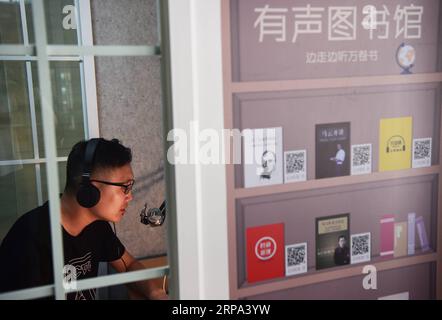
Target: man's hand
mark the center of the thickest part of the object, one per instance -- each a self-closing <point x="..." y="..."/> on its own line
<point x="147" y="288"/>
<point x="158" y="294"/>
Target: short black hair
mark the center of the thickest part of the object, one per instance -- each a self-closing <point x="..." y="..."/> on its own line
<point x="109" y="154"/>
<point x="342" y="236"/>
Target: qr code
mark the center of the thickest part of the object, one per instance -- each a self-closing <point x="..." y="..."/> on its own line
<point x="422" y="149"/>
<point x="360" y="245"/>
<point x="361" y="155"/>
<point x="295" y="256"/>
<point x="294" y="162"/>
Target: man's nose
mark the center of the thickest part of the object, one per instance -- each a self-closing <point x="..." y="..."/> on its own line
<point x="129" y="197"/>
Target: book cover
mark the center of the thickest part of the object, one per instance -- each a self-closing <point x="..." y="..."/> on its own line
<point x="397" y="296"/>
<point x="295" y="258"/>
<point x="421" y="153"/>
<point x="263" y="157"/>
<point x="395" y="143"/>
<point x="332" y="236"/>
<point x="360" y="245"/>
<point x="295" y="166"/>
<point x="421" y="231"/>
<point x="332" y="150"/>
<point x="387" y="235"/>
<point x="411" y="233"/>
<point x="265" y="252"/>
<point x="400" y="239"/>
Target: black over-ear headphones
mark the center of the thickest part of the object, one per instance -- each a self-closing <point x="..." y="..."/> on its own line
<point x="88" y="195"/>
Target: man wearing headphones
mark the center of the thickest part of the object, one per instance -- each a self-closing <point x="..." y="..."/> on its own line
<point x="99" y="182"/>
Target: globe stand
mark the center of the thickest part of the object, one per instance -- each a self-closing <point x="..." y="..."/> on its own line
<point x="407" y="70"/>
<point x="405" y="57"/>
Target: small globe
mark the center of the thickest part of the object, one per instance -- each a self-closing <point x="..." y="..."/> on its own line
<point x="406" y="55"/>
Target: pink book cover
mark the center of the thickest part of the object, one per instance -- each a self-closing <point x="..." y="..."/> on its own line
<point x="387" y="235"/>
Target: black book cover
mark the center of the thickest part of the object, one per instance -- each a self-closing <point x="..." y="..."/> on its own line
<point x="332" y="241"/>
<point x="332" y="150"/>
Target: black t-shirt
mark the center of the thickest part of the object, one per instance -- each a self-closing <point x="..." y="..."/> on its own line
<point x="26" y="252"/>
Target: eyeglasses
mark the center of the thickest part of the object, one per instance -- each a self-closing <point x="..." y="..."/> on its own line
<point x="127" y="187"/>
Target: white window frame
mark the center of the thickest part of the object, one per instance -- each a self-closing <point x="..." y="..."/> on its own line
<point x="84" y="23"/>
<point x="87" y="51"/>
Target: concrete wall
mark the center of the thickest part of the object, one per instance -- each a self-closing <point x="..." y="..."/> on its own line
<point x="130" y="109"/>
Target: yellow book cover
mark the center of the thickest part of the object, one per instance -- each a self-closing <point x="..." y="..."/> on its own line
<point x="395" y="140"/>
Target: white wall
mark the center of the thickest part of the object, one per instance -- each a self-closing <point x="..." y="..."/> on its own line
<point x="195" y="40"/>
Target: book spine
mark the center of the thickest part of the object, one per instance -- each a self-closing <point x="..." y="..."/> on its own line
<point x="411" y="233"/>
<point x="387" y="235"/>
<point x="422" y="234"/>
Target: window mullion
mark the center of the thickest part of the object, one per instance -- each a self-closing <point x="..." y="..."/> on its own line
<point x="24" y="23"/>
<point x="85" y="284"/>
<point x="82" y="73"/>
<point x="31" y="97"/>
<point x="50" y="146"/>
<point x="88" y="80"/>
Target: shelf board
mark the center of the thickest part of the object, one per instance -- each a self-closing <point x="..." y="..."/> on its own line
<point x="318" y="276"/>
<point x="333" y="83"/>
<point x="240" y="193"/>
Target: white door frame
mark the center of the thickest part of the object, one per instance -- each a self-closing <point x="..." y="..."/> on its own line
<point x="197" y="95"/>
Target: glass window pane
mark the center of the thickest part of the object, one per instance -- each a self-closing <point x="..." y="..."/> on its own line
<point x="10" y="22"/>
<point x="18" y="194"/>
<point x="15" y="120"/>
<point x="61" y="179"/>
<point x="66" y="90"/>
<point x="54" y="16"/>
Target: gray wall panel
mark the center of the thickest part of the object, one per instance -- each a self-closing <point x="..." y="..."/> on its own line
<point x="129" y="105"/>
